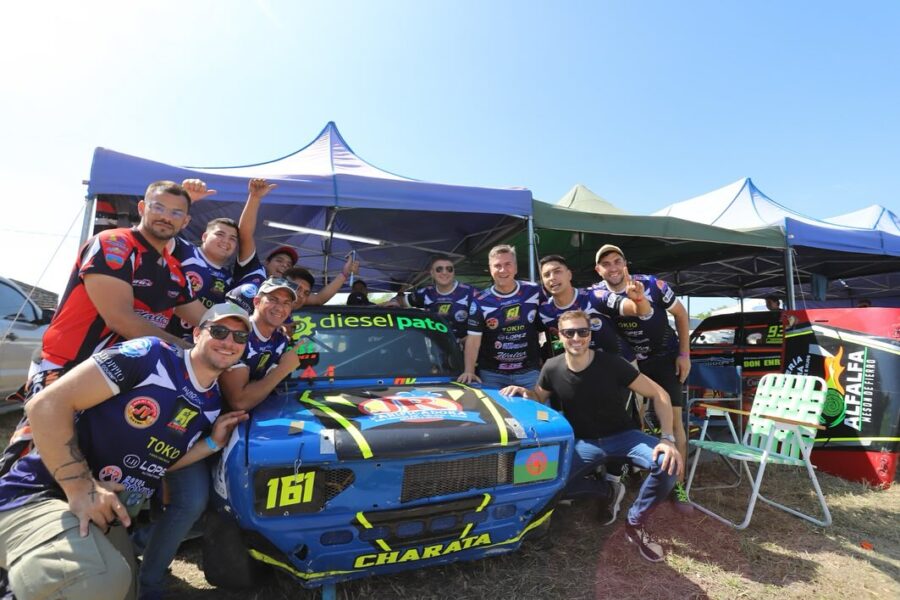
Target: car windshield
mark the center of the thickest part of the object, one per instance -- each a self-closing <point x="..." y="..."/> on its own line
<point x="369" y="343"/>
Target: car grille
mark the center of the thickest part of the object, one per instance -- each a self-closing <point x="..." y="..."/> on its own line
<point x="336" y="481"/>
<point x="438" y="478"/>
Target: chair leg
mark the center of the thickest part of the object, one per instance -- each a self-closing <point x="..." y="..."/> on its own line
<point x="826" y="521"/>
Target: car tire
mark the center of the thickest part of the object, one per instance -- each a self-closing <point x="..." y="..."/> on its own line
<point x="226" y="561"/>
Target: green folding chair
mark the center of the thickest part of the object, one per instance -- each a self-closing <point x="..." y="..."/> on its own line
<point x="781" y="430"/>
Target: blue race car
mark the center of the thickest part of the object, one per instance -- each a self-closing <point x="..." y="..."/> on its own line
<point x="373" y="460"/>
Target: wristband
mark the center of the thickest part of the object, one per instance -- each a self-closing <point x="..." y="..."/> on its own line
<point x="212" y="444"/>
<point x="684" y="354"/>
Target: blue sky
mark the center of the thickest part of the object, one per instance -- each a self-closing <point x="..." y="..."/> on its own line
<point x="646" y="103"/>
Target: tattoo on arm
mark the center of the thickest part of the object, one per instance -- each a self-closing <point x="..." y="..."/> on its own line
<point x="77" y="460"/>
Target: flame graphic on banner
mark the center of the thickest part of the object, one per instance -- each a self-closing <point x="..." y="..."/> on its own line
<point x="833" y="370"/>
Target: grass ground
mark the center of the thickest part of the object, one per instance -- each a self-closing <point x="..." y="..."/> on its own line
<point x="777" y="556"/>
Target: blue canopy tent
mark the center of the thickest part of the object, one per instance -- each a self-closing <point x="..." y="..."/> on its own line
<point x="326" y="187"/>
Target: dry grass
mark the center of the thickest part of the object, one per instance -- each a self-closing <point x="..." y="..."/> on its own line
<point x="778" y="555"/>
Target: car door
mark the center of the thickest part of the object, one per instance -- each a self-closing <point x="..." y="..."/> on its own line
<point x="21" y="330"/>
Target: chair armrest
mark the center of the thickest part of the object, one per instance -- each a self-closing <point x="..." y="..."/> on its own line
<point x="725" y="408"/>
<point x="793" y="422"/>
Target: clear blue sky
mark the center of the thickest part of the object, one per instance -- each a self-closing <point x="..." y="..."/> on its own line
<point x="646" y="103"/>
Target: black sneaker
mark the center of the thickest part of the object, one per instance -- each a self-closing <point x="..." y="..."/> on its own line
<point x="680" y="499"/>
<point x="610" y="510"/>
<point x="639" y="536"/>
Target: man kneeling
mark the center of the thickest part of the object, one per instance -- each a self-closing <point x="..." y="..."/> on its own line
<point x="590" y="389"/>
<point x="104" y="436"/>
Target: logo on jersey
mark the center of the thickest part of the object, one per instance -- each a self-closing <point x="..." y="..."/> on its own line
<point x="596" y="323"/>
<point x="184" y="414"/>
<point x="249" y="290"/>
<point x="115" y="251"/>
<point x="443" y="309"/>
<point x="141" y="283"/>
<point x="473" y="309"/>
<point x="512" y="313"/>
<point x="531" y="315"/>
<point x="131" y="460"/>
<point x="110" y="473"/>
<point x="460" y="315"/>
<point x="492" y="323"/>
<point x="142" y="412"/>
<point x="195" y="280"/>
<point x="135" y="348"/>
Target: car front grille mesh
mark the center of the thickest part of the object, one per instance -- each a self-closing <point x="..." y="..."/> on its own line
<point x="336" y="481"/>
<point x="438" y="478"/>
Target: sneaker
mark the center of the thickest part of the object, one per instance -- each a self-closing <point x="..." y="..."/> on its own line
<point x="638" y="535"/>
<point x="680" y="499"/>
<point x="609" y="510"/>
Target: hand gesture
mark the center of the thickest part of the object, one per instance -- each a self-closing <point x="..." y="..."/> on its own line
<point x="224" y="425"/>
<point x="633" y="289"/>
<point x="513" y="390"/>
<point x="196" y="189"/>
<point x="97" y="502"/>
<point x="351" y="266"/>
<point x="672" y="463"/>
<point x="259" y="187"/>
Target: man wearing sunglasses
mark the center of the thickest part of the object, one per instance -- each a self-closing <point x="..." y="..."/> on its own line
<point x="589" y="388"/>
<point x="267" y="359"/>
<point x="446" y="296"/>
<point x="557" y="280"/>
<point x="105" y="434"/>
<point x="662" y="355"/>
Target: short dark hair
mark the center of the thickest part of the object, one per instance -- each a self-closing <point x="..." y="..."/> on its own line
<point x="168" y="187"/>
<point x="359" y="282"/>
<point x="228" y="222"/>
<point x="438" y="257"/>
<point x="300" y="273"/>
<point x="571" y="315"/>
<point x="553" y="258"/>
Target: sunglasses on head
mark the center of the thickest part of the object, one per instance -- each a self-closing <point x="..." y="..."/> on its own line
<point x="220" y="332"/>
<point x="442" y="268"/>
<point x="581" y="332"/>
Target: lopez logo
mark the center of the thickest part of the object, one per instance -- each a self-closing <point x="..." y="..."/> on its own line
<point x="142" y="412"/>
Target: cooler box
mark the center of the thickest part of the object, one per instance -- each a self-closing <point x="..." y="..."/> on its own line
<point x="857" y="352"/>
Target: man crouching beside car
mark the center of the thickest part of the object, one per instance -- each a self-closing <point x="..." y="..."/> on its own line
<point x="105" y="434"/>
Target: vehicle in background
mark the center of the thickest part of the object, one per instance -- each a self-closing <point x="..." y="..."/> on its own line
<point x="22" y="325"/>
<point x="374" y="460"/>
<point x="753" y="341"/>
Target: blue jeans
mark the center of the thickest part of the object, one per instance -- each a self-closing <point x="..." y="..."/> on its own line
<point x="499" y="379"/>
<point x="159" y="541"/>
<point x="637" y="448"/>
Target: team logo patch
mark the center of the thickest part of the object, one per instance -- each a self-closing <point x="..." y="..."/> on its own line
<point x="443" y="309"/>
<point x="195" y="280"/>
<point x="460" y="315"/>
<point x="135" y="348"/>
<point x="596" y="323"/>
<point x="512" y="313"/>
<point x="110" y="473"/>
<point x="142" y="412"/>
<point x="184" y="414"/>
<point x="531" y="315"/>
<point x="131" y="460"/>
<point x="492" y="323"/>
<point x="249" y="290"/>
<point x="473" y="309"/>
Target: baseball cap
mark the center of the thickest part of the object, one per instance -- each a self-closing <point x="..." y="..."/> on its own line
<point x="217" y="312"/>
<point x="278" y="283"/>
<point x="606" y="249"/>
<point x="284" y="250"/>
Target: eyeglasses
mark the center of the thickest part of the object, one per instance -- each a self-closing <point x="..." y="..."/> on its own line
<point x="220" y="332"/>
<point x="441" y="269"/>
<point x="581" y="332"/>
<point x="158" y="209"/>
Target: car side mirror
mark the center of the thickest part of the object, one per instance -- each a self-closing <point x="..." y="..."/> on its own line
<point x="47" y="315"/>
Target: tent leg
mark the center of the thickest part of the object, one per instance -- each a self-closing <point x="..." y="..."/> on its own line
<point x="790" y="301"/>
<point x="531" y="252"/>
<point x="87" y="221"/>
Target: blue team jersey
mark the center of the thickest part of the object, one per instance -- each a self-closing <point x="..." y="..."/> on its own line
<point x="157" y="412"/>
<point x="599" y="310"/>
<point x="651" y="335"/>
<point x="262" y="353"/>
<point x="208" y="282"/>
<point x="243" y="295"/>
<point x="453" y="306"/>
<point x="508" y="329"/>
<point x="252" y="271"/>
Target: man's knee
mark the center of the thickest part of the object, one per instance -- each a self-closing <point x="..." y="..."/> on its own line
<point x="72" y="567"/>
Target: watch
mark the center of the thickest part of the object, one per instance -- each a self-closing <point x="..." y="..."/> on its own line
<point x="667" y="437"/>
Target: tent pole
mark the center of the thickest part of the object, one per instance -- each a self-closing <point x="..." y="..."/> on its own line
<point x="88" y="220"/>
<point x="790" y="302"/>
<point x="531" y="252"/>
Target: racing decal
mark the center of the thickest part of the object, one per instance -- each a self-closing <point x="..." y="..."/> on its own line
<point x="366" y="420"/>
<point x="388" y="321"/>
<point x="404" y="380"/>
<point x="421" y="552"/>
<point x="536" y="464"/>
<point x="141" y="412"/>
<point x="486" y="499"/>
<point x="284" y="491"/>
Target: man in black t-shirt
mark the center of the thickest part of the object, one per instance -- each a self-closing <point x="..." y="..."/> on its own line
<point x="590" y="388"/>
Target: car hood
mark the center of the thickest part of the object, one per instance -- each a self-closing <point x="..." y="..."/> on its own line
<point x="380" y="421"/>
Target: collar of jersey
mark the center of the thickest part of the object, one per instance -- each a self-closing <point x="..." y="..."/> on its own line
<point x="512" y="293"/>
<point x="193" y="377"/>
<point x="570" y="304"/>
<point x="453" y="289"/>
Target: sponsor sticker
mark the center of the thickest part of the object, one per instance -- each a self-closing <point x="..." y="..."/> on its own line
<point x="536" y="464"/>
<point x="135" y="348"/>
<point x="492" y="323"/>
<point x="110" y="473"/>
<point x="141" y="412"/>
<point x="460" y="315"/>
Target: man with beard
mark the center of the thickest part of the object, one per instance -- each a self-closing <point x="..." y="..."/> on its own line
<point x="661" y="355"/>
<point x="98" y="432"/>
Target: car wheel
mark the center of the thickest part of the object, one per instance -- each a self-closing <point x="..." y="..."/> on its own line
<point x="226" y="562"/>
